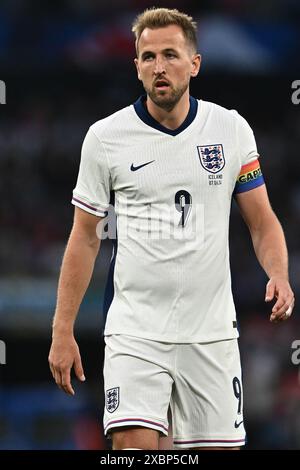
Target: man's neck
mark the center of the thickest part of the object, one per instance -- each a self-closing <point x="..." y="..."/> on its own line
<point x="170" y="119"/>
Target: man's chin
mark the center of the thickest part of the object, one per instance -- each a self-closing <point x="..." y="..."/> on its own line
<point x="163" y="98"/>
<point x="162" y="93"/>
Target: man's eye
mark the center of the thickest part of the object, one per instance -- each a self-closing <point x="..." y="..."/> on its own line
<point x="148" y="57"/>
<point x="170" y="55"/>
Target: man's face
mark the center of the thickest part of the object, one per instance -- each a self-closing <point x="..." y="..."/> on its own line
<point x="165" y="64"/>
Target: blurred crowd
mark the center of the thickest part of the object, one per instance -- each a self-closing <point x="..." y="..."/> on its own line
<point x="67" y="64"/>
<point x="245" y="35"/>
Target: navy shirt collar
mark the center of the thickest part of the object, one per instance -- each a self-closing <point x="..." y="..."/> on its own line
<point x="145" y="116"/>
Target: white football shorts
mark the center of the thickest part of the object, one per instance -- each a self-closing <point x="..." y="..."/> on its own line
<point x="201" y="382"/>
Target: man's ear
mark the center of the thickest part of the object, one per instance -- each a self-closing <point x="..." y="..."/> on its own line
<point x="196" y="62"/>
<point x="137" y="68"/>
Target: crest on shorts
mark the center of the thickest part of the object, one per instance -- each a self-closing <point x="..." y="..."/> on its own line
<point x="112" y="399"/>
<point x="211" y="157"/>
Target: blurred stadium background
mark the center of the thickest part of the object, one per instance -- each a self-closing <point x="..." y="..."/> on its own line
<point x="67" y="64"/>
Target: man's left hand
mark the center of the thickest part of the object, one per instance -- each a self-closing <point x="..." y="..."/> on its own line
<point x="280" y="289"/>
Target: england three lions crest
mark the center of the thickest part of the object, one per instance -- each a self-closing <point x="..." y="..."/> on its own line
<point x="211" y="157"/>
<point x="112" y="399"/>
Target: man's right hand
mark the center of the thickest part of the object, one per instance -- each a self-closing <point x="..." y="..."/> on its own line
<point x="64" y="354"/>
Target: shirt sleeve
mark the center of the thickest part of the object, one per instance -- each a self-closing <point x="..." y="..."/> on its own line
<point x="250" y="175"/>
<point x="92" y="191"/>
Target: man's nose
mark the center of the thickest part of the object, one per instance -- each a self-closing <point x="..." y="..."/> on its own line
<point x="159" y="66"/>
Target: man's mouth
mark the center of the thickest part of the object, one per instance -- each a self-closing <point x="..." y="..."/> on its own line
<point x="162" y="84"/>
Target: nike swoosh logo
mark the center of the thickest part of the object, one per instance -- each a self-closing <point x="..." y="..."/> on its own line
<point x="134" y="168"/>
<point x="236" y="425"/>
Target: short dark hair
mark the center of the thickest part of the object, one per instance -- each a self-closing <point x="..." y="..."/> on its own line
<point x="154" y="18"/>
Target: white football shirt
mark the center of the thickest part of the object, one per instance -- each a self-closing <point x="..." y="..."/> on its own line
<point x="173" y="190"/>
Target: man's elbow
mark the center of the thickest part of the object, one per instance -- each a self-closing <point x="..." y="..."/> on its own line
<point x="264" y="223"/>
<point x="85" y="239"/>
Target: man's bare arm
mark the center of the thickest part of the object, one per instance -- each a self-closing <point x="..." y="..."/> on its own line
<point x="76" y="272"/>
<point x="270" y="248"/>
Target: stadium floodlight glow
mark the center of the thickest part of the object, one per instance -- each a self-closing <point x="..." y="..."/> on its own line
<point x="2" y="92"/>
<point x="2" y="352"/>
